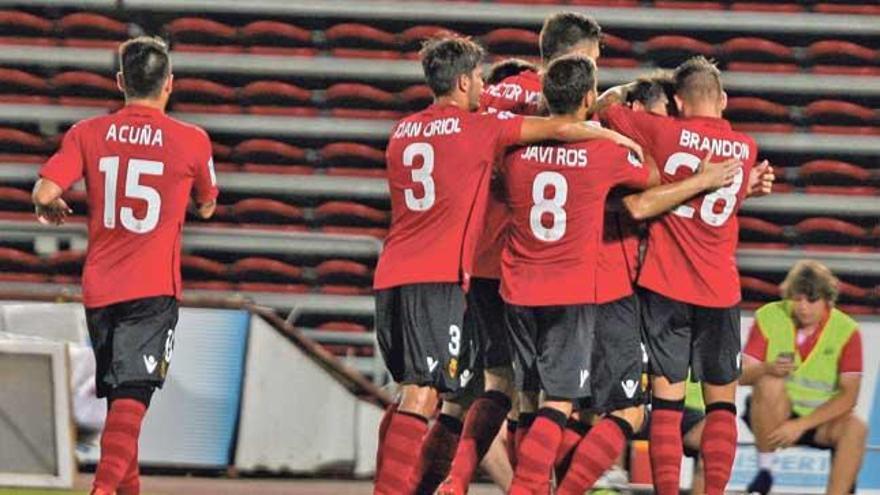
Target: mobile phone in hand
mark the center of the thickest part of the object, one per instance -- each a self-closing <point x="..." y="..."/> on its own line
<point x="787" y="357"/>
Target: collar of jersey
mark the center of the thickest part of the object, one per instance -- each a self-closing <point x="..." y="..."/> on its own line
<point x="711" y="121"/>
<point x="141" y="109"/>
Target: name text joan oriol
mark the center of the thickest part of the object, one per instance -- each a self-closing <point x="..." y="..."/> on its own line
<point x="439" y="127"/>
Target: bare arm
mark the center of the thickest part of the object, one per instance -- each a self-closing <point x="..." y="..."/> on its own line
<point x="48" y="205"/>
<point x="761" y="179"/>
<point x="841" y="404"/>
<point x="610" y="97"/>
<point x="537" y="129"/>
<point x="660" y="199"/>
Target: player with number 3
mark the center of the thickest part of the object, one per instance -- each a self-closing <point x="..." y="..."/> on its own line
<point x="140" y="168"/>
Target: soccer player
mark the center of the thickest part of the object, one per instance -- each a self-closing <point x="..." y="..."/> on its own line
<point x="140" y="168"/>
<point x="689" y="278"/>
<point x="439" y="163"/>
<point x="556" y="194"/>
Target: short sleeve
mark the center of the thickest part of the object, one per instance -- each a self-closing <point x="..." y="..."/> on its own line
<point x="851" y="355"/>
<point x="65" y="167"/>
<point x="756" y="346"/>
<point x="205" y="183"/>
<point x="638" y="126"/>
<point x="628" y="170"/>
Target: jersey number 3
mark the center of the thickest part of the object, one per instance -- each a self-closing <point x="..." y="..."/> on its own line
<point x="109" y="166"/>
<point x="421" y="175"/>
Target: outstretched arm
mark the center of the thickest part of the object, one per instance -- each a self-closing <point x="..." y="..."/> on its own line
<point x="660" y="199"/>
<point x="48" y="205"/>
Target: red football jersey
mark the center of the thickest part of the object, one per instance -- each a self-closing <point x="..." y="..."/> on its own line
<point x="439" y="163"/>
<point x="519" y="94"/>
<point x="140" y="167"/>
<point x="557" y="196"/>
<point x="618" y="259"/>
<point x="691" y="255"/>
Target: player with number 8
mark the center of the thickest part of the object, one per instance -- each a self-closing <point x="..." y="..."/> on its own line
<point x="140" y="168"/>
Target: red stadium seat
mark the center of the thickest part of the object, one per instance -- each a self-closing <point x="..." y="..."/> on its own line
<point x="85" y="88"/>
<point x="265" y="270"/>
<point x="344" y="272"/>
<point x="360" y="36"/>
<point x="343" y="326"/>
<point x="829" y="231"/>
<point x="257" y="210"/>
<point x="413" y="37"/>
<point x="787" y="8"/>
<point x="606" y="3"/>
<point x="67" y="262"/>
<point x="833" y="112"/>
<point x="750" y="109"/>
<point x="273" y="287"/>
<point x="755" y="289"/>
<point x="275" y="93"/>
<point x="199" y="268"/>
<point x="616" y="47"/>
<point x="16" y="141"/>
<point x="200" y="95"/>
<point x="220" y="151"/>
<point x="831" y="8"/>
<point x="350" y="214"/>
<point x="24" y="87"/>
<point x="756" y="50"/>
<point x="836" y="52"/>
<point x="687" y="5"/>
<point x="378" y="233"/>
<point x="257" y="168"/>
<point x="13" y="260"/>
<point x="669" y="51"/>
<point x="512" y="41"/>
<point x="356" y="172"/>
<point x="267" y="151"/>
<point x="188" y="31"/>
<point x="832" y="172"/>
<point x="353" y="95"/>
<point x="351" y="155"/>
<point x="12" y="199"/>
<point x="417" y="97"/>
<point x="91" y="26"/>
<point x="853" y="293"/>
<point x="273" y="34"/>
<point x="215" y="285"/>
<point x="758" y="230"/>
<point x="15" y="23"/>
<point x="846" y="70"/>
<point x="841" y="190"/>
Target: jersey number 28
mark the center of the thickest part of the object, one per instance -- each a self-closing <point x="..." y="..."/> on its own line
<point x="109" y="166"/>
<point x="726" y="195"/>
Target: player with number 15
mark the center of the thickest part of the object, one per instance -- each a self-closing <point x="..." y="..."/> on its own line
<point x="140" y="168"/>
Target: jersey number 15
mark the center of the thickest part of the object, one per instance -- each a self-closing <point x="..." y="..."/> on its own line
<point x="109" y="166"/>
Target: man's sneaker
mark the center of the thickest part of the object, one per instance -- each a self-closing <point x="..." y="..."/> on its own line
<point x="761" y="484"/>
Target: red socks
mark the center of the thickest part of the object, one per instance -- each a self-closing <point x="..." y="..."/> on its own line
<point x="537" y="453"/>
<point x="574" y="432"/>
<point x="383" y="429"/>
<point x="522" y="429"/>
<point x="481" y="425"/>
<point x="119" y="443"/>
<point x="403" y="441"/>
<point x="131" y="482"/>
<point x="718" y="446"/>
<point x="438" y="450"/>
<point x="595" y="454"/>
<point x="665" y="447"/>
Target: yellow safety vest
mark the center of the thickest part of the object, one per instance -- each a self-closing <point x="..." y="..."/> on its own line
<point x="693" y="398"/>
<point x="815" y="380"/>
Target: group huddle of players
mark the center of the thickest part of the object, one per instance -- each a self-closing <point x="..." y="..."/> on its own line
<point x="517" y="282"/>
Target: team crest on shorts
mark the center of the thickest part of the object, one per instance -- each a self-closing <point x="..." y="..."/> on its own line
<point x="453" y="367"/>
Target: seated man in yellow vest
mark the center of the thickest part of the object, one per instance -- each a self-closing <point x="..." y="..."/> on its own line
<point x="804" y="359"/>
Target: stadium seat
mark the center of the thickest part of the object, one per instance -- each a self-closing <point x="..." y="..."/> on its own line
<point x="18" y="86"/>
<point x="81" y="88"/>
<point x="259" y="168"/>
<point x="265" y="270"/>
<point x="758" y="230"/>
<point x="343" y="272"/>
<point x="616" y="47"/>
<point x="755" y="289"/>
<point x="67" y="262"/>
<point x="346" y="154"/>
<point x="850" y="293"/>
<point x="350" y="214"/>
<point x="785" y="8"/>
<point x="15" y="24"/>
<point x="189" y="33"/>
<point x="756" y="50"/>
<point x="258" y="210"/>
<point x="360" y="37"/>
<point x="832" y="8"/>
<point x="199" y="268"/>
<point x="352" y="95"/>
<point x="833" y="112"/>
<point x="687" y="5"/>
<point x="220" y="151"/>
<point x="277" y="37"/>
<point x="751" y="109"/>
<point x="14" y="260"/>
<point x="512" y="41"/>
<point x="670" y="50"/>
<point x="837" y="52"/>
<point x="87" y="29"/>
<point x="267" y="151"/>
<point x="379" y="173"/>
<point x="829" y="231"/>
<point x="412" y="38"/>
<point x="842" y="190"/>
<point x="417" y="97"/>
<point x="832" y="172"/>
<point x="275" y="93"/>
<point x="13" y="199"/>
<point x="343" y="326"/>
<point x="16" y="141"/>
<point x="200" y="95"/>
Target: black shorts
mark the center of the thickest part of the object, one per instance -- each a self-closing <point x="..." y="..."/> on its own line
<point x="421" y="334"/>
<point x="679" y="336"/>
<point x="808" y="439"/>
<point x="553" y="348"/>
<point x="616" y="376"/>
<point x="484" y="321"/>
<point x="133" y="342"/>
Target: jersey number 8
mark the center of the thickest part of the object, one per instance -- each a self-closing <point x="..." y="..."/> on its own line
<point x="707" y="208"/>
<point x="109" y="166"/>
<point x="553" y="206"/>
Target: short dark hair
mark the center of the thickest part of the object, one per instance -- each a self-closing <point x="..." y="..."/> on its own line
<point x="567" y="80"/>
<point x="145" y="66"/>
<point x="812" y="279"/>
<point x="445" y="59"/>
<point x="507" y="68"/>
<point x="648" y="90"/>
<point x="562" y="31"/>
<point x="698" y="77"/>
